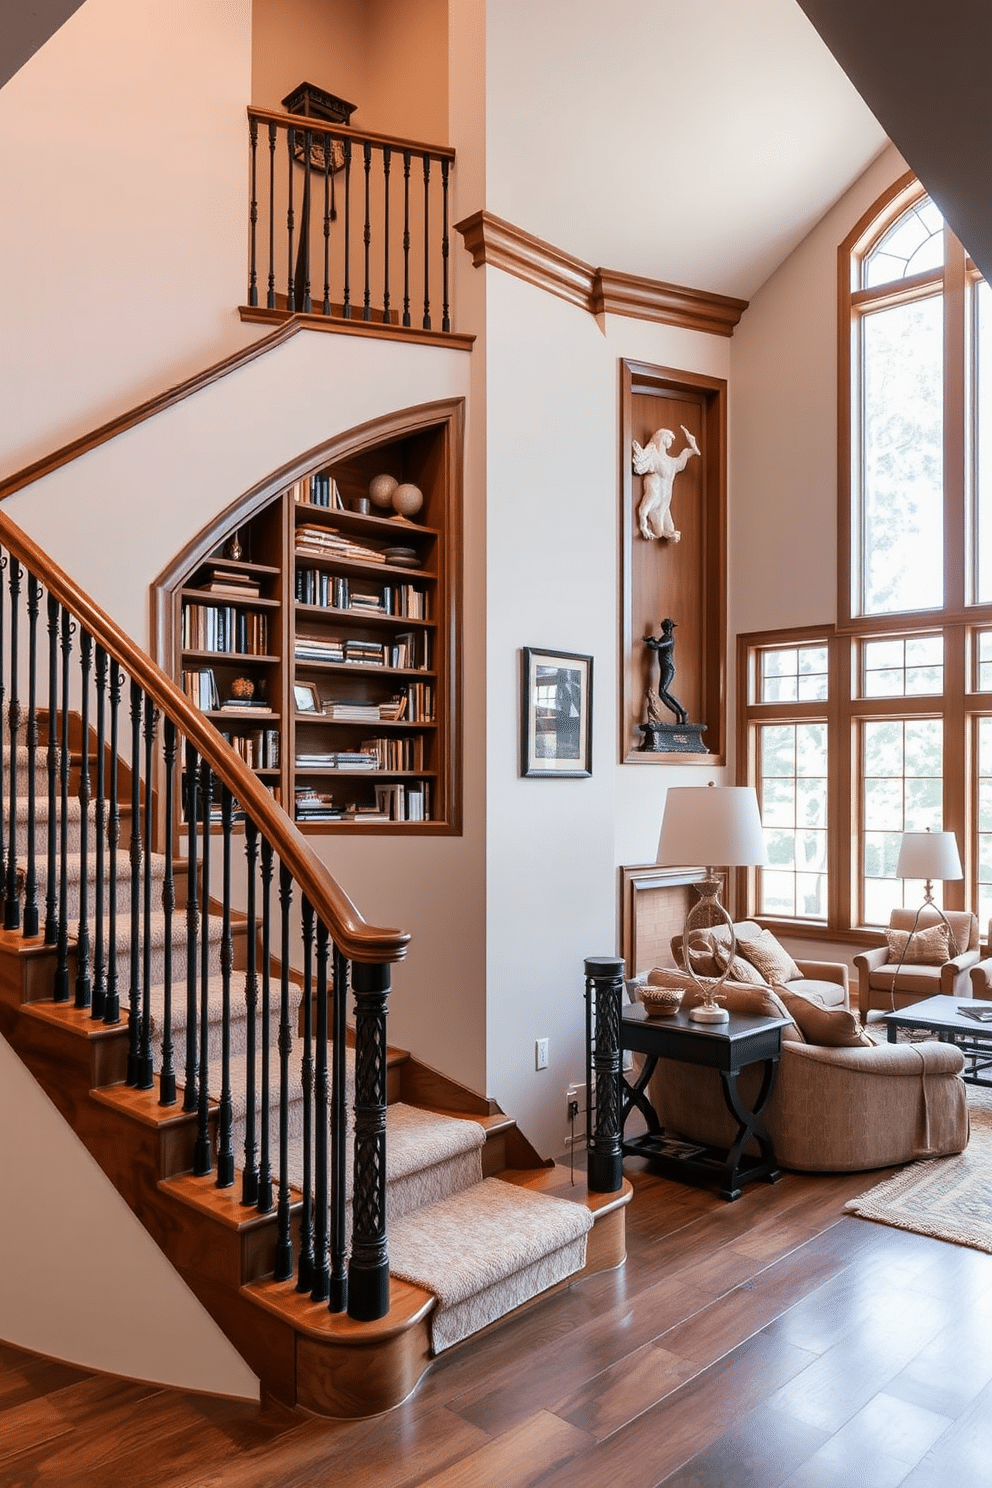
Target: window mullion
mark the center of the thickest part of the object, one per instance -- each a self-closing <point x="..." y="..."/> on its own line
<point x="958" y="568"/>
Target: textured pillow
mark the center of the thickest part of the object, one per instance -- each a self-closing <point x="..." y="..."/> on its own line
<point x="833" y="1028"/>
<point x="748" y="1000"/>
<point x="929" y="947"/>
<point x="709" y="956"/>
<point x="771" y="958"/>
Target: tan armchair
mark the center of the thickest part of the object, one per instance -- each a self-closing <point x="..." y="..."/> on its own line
<point x="882" y="985"/>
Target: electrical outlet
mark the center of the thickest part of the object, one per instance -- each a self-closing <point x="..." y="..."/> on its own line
<point x="541" y="1054"/>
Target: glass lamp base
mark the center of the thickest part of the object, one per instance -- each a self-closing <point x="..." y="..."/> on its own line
<point x="705" y="1014"/>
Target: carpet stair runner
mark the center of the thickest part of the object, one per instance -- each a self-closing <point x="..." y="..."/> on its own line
<point x="480" y="1245"/>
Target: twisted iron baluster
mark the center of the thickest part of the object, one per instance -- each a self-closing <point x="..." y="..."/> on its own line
<point x="112" y="1012"/>
<point x="386" y="156"/>
<point x="346" y="294"/>
<point x="320" y="1280"/>
<point x="306" y="303"/>
<point x="225" y="1147"/>
<point x="338" y="1294"/>
<point x="167" y="1075"/>
<point x="253" y="213"/>
<point x="445" y="316"/>
<point x="270" y="298"/>
<point x="98" y="1005"/>
<point x="304" y="1271"/>
<point x="264" y="1160"/>
<point x="51" y="910"/>
<point x="406" y="237"/>
<point x="427" y="242"/>
<point x="202" y="1158"/>
<point x="249" y="1176"/>
<point x="190" y="1094"/>
<point x="83" y="985"/>
<point x="134" y="987"/>
<point x="367" y="233"/>
<point x="328" y="147"/>
<point x="61" y="988"/>
<point x="290" y="224"/>
<point x="31" y="872"/>
<point x="11" y="904"/>
<point x="146" y="1063"/>
<point x="284" y="1245"/>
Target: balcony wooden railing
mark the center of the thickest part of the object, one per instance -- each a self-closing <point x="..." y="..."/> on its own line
<point x="347" y="224"/>
<point x="92" y="669"/>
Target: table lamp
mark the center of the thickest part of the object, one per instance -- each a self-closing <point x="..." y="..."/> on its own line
<point x="711" y="825"/>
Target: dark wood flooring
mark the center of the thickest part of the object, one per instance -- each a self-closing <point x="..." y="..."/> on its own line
<point x="774" y="1341"/>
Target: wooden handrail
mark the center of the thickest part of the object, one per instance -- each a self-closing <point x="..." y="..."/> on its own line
<point x="351" y="933"/>
<point x="343" y="131"/>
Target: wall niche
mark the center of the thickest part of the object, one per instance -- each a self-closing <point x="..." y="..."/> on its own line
<point x="683" y="579"/>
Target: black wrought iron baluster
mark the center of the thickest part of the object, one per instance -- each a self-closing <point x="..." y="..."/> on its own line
<point x="270" y="298"/>
<point x="368" y="1273"/>
<point x="304" y="1270"/>
<point x="31" y="867"/>
<point x="134" y="965"/>
<point x="84" y="988"/>
<point x="61" y="985"/>
<point x="445" y="309"/>
<point x="304" y="263"/>
<point x="146" y="1064"/>
<point x="264" y="1155"/>
<point x="386" y="156"/>
<point x="225" y="1115"/>
<point x="367" y="232"/>
<point x="253" y="213"/>
<point x="98" y="1002"/>
<point x="284" y="1245"/>
<point x="167" y="1073"/>
<point x="202" y="1158"/>
<point x="51" y="903"/>
<point x="427" y="242"/>
<point x="12" y="903"/>
<point x="290" y="223"/>
<point x="346" y="290"/>
<point x="328" y="213"/>
<point x="112" y="1012"/>
<point x="406" y="237"/>
<point x="320" y="1279"/>
<point x="339" y="1136"/>
<point x="249" y="1175"/>
<point x="192" y="794"/>
<point x="604" y="1003"/>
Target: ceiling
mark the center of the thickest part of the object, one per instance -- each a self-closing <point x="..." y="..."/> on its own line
<point x="699" y="143"/>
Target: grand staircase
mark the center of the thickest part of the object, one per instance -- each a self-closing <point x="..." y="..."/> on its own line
<point x="344" y="1212"/>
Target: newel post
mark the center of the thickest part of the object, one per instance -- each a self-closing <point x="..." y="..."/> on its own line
<point x="368" y="1270"/>
<point x="604" y="1003"/>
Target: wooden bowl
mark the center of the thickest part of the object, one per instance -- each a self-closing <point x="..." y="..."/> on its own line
<point x="661" y="1002"/>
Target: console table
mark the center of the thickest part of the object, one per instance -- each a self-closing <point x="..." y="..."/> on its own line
<point x="726" y="1047"/>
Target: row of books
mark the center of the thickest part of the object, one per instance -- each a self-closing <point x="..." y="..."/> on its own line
<point x="392" y="803"/>
<point x="326" y="542"/>
<point x="404" y="802"/>
<point x="318" y="490"/>
<point x="389" y="711"/>
<point x="334" y="591"/>
<point x="225" y="628"/>
<point x="259" y="749"/>
<point x="340" y="759"/>
<point x="407" y="652"/>
<point x="396" y="754"/>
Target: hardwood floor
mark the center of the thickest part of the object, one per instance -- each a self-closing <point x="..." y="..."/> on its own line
<point x="770" y="1343"/>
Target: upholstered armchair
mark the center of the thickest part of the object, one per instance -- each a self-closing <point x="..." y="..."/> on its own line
<point x="884" y="985"/>
<point x="823" y="981"/>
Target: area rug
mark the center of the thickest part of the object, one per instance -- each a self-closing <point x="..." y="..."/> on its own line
<point x="949" y="1198"/>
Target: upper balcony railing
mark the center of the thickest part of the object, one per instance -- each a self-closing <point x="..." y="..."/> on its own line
<point x="347" y="224"/>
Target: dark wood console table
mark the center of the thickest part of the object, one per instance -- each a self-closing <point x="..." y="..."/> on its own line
<point x="727" y="1047"/>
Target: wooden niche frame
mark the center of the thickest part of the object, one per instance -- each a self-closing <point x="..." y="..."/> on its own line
<point x="684" y="581"/>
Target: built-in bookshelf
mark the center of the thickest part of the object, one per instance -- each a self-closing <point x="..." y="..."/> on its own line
<point x="326" y="648"/>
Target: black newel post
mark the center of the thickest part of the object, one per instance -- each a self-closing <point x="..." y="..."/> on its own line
<point x="604" y="1001"/>
<point x="368" y="1273"/>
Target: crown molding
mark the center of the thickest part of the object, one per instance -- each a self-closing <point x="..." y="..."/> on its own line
<point x="502" y="245"/>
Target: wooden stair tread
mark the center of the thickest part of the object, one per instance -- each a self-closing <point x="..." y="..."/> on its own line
<point x="408" y="1306"/>
<point x="557" y="1182"/>
<point x="221" y="1204"/>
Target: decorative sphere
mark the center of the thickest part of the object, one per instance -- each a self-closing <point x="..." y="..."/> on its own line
<point x="407" y="500"/>
<point x="243" y="688"/>
<point x="381" y="488"/>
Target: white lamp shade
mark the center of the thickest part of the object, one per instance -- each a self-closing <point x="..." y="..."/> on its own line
<point x="929" y="855"/>
<point x="713" y="825"/>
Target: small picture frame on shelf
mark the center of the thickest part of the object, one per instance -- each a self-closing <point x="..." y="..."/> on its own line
<point x="556" y="714"/>
<point x="307" y="698"/>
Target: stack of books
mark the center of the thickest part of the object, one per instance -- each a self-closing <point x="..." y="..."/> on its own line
<point x="319" y="648"/>
<point x="232" y="581"/>
<point x="364" y="653"/>
<point x="326" y="542"/>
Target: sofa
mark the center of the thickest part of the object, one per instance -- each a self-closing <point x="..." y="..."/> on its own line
<point x="884" y="985"/>
<point x="825" y="981"/>
<point x="841" y="1106"/>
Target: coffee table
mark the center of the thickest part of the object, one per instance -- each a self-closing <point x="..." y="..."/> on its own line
<point x="727" y="1047"/>
<point x="942" y="1017"/>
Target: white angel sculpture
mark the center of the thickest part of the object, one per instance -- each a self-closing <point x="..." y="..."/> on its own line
<point x="659" y="469"/>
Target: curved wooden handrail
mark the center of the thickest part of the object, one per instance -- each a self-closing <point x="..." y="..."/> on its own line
<point x="351" y="933"/>
<point x="343" y="131"/>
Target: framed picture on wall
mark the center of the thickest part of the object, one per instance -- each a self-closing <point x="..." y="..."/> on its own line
<point x="556" y="714"/>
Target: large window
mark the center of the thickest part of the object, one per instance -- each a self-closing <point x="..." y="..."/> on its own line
<point x="882" y="723"/>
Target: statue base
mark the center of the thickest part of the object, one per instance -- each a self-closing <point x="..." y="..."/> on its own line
<point x="672" y="738"/>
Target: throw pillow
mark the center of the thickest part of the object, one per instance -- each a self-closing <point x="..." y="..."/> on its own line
<point x="770" y="957"/>
<point x="833" y="1028"/>
<point x="929" y="947"/>
<point x="709" y="956"/>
